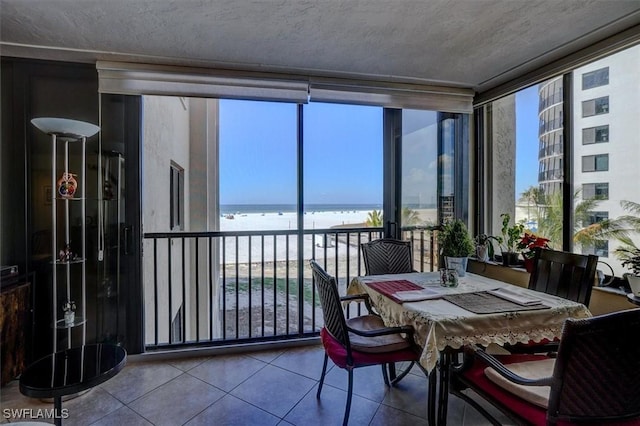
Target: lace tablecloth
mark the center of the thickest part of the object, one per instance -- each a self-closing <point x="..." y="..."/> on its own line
<point x="439" y="323"/>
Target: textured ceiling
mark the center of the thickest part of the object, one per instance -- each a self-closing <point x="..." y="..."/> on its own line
<point x="466" y="43"/>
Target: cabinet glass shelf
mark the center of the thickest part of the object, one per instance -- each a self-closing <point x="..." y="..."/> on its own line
<point x="69" y="262"/>
<point x="62" y="325"/>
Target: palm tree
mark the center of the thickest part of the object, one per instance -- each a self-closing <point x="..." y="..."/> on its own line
<point x="621" y="228"/>
<point x="551" y="220"/>
<point x="410" y="217"/>
<point x="374" y="219"/>
<point x="533" y="195"/>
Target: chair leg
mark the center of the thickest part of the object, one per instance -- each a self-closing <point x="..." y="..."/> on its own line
<point x="384" y="375"/>
<point x="324" y="370"/>
<point x="349" y="395"/>
<point x="395" y="378"/>
<point x="392" y="371"/>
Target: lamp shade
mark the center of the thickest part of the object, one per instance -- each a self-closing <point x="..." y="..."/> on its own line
<point x="65" y="128"/>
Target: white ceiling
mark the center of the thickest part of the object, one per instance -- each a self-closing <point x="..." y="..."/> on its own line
<point x="464" y="43"/>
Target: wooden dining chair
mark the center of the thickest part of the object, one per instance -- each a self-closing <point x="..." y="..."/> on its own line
<point x="357" y="342"/>
<point x="387" y="256"/>
<point x="595" y="377"/>
<point x="567" y="275"/>
<point x="564" y="274"/>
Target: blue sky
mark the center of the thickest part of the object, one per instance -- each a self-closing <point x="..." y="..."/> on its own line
<point x="342" y="154"/>
<point x="526" y="139"/>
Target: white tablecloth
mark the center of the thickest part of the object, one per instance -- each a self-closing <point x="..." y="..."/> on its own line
<point x="439" y="323"/>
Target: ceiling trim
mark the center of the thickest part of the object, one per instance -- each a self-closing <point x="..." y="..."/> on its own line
<point x="153" y="79"/>
<point x="602" y="48"/>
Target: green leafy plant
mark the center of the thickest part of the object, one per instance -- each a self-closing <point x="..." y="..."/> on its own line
<point x="487" y="241"/>
<point x="410" y="217"/>
<point x="630" y="256"/>
<point x="454" y="239"/>
<point x="511" y="235"/>
<point x="374" y="219"/>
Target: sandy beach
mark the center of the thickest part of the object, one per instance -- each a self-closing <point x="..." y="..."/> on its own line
<point x="275" y="249"/>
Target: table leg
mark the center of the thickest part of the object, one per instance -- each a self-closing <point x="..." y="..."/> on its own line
<point x="57" y="410"/>
<point x="431" y="397"/>
<point x="443" y="391"/>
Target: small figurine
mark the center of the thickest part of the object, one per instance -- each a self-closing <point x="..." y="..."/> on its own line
<point x="67" y="185"/>
<point x="69" y="309"/>
<point x="65" y="254"/>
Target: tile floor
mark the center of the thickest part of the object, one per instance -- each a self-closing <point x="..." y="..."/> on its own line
<point x="272" y="387"/>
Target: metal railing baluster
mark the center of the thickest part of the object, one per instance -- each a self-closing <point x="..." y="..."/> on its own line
<point x="344" y="263"/>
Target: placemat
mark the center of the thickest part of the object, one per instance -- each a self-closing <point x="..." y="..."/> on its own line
<point x="485" y="303"/>
<point x="388" y="288"/>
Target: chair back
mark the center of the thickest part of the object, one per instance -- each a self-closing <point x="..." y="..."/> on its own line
<point x="327" y="288"/>
<point x="564" y="274"/>
<point x="597" y="372"/>
<point x="387" y="256"/>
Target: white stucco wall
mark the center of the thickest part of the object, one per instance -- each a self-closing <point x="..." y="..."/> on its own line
<point x="502" y="168"/>
<point x="183" y="131"/>
<point x="165" y="139"/>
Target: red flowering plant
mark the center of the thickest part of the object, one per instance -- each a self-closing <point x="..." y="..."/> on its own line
<point x="529" y="243"/>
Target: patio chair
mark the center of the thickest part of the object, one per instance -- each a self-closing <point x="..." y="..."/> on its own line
<point x="357" y="342"/>
<point x="594" y="378"/>
<point x="562" y="274"/>
<point x="387" y="256"/>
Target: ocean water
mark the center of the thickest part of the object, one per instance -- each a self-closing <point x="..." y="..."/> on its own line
<point x="309" y="208"/>
<point x="292" y="208"/>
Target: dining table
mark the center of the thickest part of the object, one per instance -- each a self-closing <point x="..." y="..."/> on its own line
<point x="477" y="311"/>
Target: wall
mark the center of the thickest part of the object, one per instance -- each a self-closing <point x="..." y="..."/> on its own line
<point x="204" y="211"/>
<point x="185" y="131"/>
<point x="502" y="167"/>
<point x="165" y="131"/>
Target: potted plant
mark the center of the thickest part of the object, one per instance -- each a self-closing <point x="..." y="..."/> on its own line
<point x="528" y="245"/>
<point x="511" y="236"/>
<point x="630" y="257"/>
<point x="455" y="245"/>
<point x="484" y="246"/>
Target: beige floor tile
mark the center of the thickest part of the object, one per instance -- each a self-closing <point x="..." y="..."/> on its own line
<point x="330" y="408"/>
<point x="272" y="387"/>
<point x="306" y="361"/>
<point x="121" y="417"/>
<point x="137" y="379"/>
<point x="274" y="390"/>
<point x="231" y="411"/>
<point x="176" y="401"/>
<point x="227" y="371"/>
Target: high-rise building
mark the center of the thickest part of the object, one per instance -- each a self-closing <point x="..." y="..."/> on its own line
<point x="551" y="136"/>
<point x="606" y="139"/>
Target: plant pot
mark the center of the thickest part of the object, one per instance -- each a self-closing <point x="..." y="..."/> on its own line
<point x="529" y="263"/>
<point x="482" y="253"/>
<point x="457" y="263"/>
<point x="510" y="258"/>
<point x="634" y="283"/>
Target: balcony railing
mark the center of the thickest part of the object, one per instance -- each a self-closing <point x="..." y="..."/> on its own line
<point x="229" y="287"/>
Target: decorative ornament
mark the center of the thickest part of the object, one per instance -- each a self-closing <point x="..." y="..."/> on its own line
<point x="67" y="185"/>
